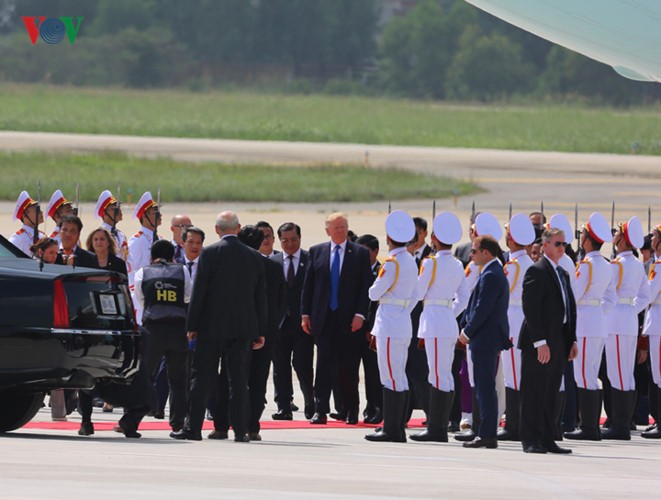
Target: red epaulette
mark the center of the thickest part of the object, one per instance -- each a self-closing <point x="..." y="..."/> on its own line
<point x="138" y="234"/>
<point x="20" y="231"/>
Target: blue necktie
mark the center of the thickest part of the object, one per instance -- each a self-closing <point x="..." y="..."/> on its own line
<point x="335" y="279"/>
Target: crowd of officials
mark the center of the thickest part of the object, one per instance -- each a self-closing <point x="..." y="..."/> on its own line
<point x="539" y="333"/>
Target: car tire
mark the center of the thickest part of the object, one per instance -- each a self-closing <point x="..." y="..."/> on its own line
<point x="18" y="408"/>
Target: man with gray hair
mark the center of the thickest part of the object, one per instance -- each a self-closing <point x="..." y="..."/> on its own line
<point x="227" y="317"/>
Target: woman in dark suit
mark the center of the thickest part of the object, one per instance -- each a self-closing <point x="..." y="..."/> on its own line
<point x="101" y="243"/>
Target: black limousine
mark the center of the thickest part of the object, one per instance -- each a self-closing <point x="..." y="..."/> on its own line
<point x="60" y="327"/>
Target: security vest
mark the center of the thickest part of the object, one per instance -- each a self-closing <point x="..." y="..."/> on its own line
<point x="163" y="289"/>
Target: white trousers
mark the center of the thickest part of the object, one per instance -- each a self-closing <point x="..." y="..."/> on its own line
<point x="440" y="354"/>
<point x="391" y="354"/>
<point x="588" y="361"/>
<point x="511" y="361"/>
<point x="655" y="359"/>
<point x="621" y="360"/>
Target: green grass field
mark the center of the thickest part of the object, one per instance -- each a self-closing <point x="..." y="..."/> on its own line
<point x="264" y="116"/>
<point x="192" y="182"/>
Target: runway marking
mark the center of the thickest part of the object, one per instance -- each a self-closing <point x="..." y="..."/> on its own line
<point x="563" y="180"/>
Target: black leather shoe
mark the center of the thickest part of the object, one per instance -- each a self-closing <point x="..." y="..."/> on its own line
<point x="254" y="436"/>
<point x="132" y="434"/>
<point x="159" y="415"/>
<point x="241" y="438"/>
<point x="187" y="435"/>
<point x="554" y="448"/>
<point x="309" y="411"/>
<point x="338" y="415"/>
<point x="352" y="417"/>
<point x="282" y="415"/>
<point x="374" y="418"/>
<point x="86" y="429"/>
<point x="468" y="435"/>
<point x="506" y="435"/>
<point x="217" y="435"/>
<point x="534" y="448"/>
<point x="453" y="427"/>
<point x="482" y="443"/>
<point x="319" y="419"/>
<point x="293" y="407"/>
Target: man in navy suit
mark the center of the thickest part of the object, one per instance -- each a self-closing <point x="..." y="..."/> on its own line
<point x="486" y="328"/>
<point x="334" y="305"/>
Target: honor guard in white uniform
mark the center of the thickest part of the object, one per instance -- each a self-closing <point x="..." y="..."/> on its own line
<point x="633" y="296"/>
<point x="147" y="212"/>
<point x="26" y="212"/>
<point x="58" y="207"/>
<point x="109" y="211"/>
<point x="445" y="293"/>
<point x="595" y="297"/>
<point x="395" y="289"/>
<point x="652" y="328"/>
<point x="485" y="225"/>
<point x="520" y="233"/>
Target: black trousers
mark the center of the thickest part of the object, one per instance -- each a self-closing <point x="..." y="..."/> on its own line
<point x="540" y="385"/>
<point x="294" y="348"/>
<point x="260" y="365"/>
<point x="417" y="373"/>
<point x="168" y="340"/>
<point x="236" y="354"/>
<point x="339" y="350"/>
<point x="373" y="387"/>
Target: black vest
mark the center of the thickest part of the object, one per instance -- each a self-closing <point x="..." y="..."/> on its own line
<point x="163" y="289"/>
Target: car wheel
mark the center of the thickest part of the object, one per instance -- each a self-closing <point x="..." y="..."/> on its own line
<point x="18" y="408"/>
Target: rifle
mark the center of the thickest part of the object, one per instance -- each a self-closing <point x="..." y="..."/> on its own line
<point x="389" y="208"/>
<point x="433" y="210"/>
<point x="75" y="210"/>
<point x="613" y="249"/>
<point x="541" y="210"/>
<point x="115" y="214"/>
<point x="510" y="216"/>
<point x="649" y="220"/>
<point x="157" y="213"/>
<point x="577" y="233"/>
<point x="35" y="236"/>
<point x="473" y="213"/>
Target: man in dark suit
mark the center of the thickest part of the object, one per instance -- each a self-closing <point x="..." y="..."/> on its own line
<point x="227" y="317"/>
<point x="547" y="340"/>
<point x="293" y="346"/>
<point x="334" y="305"/>
<point x="486" y="328"/>
<point x="70" y="229"/>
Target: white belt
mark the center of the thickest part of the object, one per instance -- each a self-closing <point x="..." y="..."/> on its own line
<point x="626" y="300"/>
<point x="516" y="302"/>
<point x="439" y="302"/>
<point x="589" y="302"/>
<point x="395" y="302"/>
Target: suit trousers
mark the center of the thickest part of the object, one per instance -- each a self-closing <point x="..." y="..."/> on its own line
<point x="294" y="348"/>
<point x="485" y="365"/>
<point x="373" y="390"/>
<point x="236" y="354"/>
<point x="337" y="352"/>
<point x="168" y="340"/>
<point x="260" y="365"/>
<point x="540" y="385"/>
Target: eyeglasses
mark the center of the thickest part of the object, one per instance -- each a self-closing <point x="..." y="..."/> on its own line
<point x="473" y="250"/>
<point x="183" y="226"/>
<point x="559" y="244"/>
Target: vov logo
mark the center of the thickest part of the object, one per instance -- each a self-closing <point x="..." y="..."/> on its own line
<point x="52" y="29"/>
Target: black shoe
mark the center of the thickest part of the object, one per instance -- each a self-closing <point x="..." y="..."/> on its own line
<point x="382" y="436"/>
<point x="282" y="415"/>
<point x="241" y="438"/>
<point x="505" y="435"/>
<point x="352" y="417"/>
<point x="482" y="443"/>
<point x="581" y="435"/>
<point x="453" y="427"/>
<point x="535" y="448"/>
<point x="254" y="436"/>
<point x="319" y="419"/>
<point x="217" y="435"/>
<point x="187" y="435"/>
<point x="427" y="436"/>
<point x="132" y="434"/>
<point x="160" y="415"/>
<point x="339" y="415"/>
<point x="309" y="411"/>
<point x="293" y="407"/>
<point x="375" y="418"/>
<point x="552" y="447"/>
<point x="86" y="429"/>
<point x="468" y="435"/>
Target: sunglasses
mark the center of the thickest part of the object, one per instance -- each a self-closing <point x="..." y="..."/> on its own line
<point x="559" y="244"/>
<point x="474" y="250"/>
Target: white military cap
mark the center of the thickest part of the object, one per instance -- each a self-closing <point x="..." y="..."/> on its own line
<point x="632" y="230"/>
<point x="521" y="230"/>
<point x="599" y="229"/>
<point x="447" y="228"/>
<point x="56" y="201"/>
<point x="487" y="225"/>
<point x="146" y="201"/>
<point x="24" y="201"/>
<point x="106" y="198"/>
<point x="400" y="226"/>
<point x="560" y="221"/>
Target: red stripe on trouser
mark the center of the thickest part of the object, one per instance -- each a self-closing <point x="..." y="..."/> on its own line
<point x="394" y="385"/>
<point x="619" y="368"/>
<point x="585" y="384"/>
<point x="513" y="364"/>
<point x="659" y="358"/>
<point x="436" y="360"/>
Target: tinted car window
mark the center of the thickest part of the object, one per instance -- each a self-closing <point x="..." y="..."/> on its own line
<point x="26" y="303"/>
<point x="96" y="303"/>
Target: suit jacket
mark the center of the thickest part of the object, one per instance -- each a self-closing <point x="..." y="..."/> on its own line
<point x="485" y="322"/>
<point x="229" y="293"/>
<point x="114" y="264"/>
<point x="293" y="303"/>
<point x="83" y="258"/>
<point x="463" y="253"/>
<point x="355" y="278"/>
<point x="544" y="309"/>
<point x="276" y="297"/>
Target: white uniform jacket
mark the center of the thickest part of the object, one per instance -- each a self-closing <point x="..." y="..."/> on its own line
<point x="633" y="295"/>
<point x="595" y="295"/>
